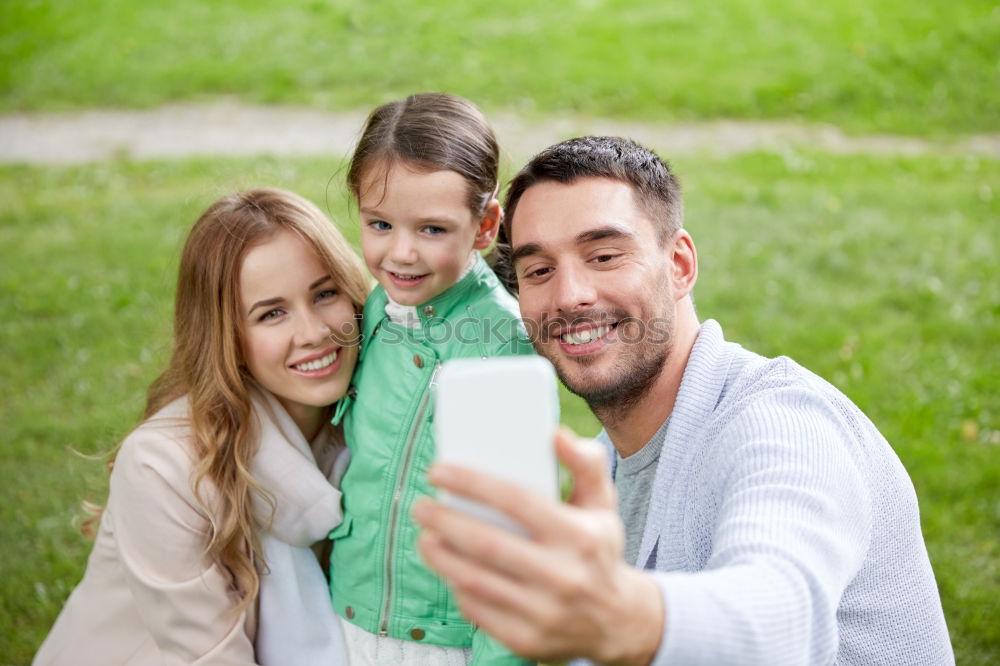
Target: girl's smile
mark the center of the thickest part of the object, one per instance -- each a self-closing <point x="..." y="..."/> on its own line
<point x="404" y="281"/>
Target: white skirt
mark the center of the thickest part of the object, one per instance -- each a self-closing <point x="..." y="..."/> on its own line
<point x="365" y="649"/>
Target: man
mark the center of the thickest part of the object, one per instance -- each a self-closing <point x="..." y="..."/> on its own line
<point x="766" y="521"/>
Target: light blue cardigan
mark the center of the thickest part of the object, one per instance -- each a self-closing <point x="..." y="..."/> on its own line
<point x="782" y="526"/>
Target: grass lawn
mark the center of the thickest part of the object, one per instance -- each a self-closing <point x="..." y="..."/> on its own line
<point x="883" y="65"/>
<point x="877" y="273"/>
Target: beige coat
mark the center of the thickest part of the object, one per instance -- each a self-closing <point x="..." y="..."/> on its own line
<point x="149" y="594"/>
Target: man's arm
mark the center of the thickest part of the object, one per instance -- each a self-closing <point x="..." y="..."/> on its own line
<point x="792" y="530"/>
<point x="564" y="592"/>
<point x="791" y="527"/>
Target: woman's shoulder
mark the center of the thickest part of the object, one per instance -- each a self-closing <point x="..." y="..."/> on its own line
<point x="160" y="445"/>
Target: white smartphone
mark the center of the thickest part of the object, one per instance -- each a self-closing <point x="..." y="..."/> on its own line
<point x="498" y="416"/>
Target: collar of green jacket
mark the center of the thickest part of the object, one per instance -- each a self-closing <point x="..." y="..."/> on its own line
<point x="441" y="306"/>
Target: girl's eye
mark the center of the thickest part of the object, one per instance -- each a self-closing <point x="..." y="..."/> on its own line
<point x="271" y="314"/>
<point x="326" y="294"/>
<point x="434" y="230"/>
<point x="380" y="225"/>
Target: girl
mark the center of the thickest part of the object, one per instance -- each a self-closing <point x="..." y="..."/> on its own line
<point x="235" y="447"/>
<point x="424" y="175"/>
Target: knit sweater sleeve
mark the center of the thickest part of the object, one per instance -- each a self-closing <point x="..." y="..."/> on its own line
<point x="793" y="525"/>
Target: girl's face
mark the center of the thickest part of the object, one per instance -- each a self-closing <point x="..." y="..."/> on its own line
<point x="300" y="331"/>
<point x="417" y="232"/>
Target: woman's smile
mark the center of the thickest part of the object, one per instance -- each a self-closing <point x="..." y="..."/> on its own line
<point x="318" y="365"/>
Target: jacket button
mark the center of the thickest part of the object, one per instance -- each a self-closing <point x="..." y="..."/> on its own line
<point x="417" y="361"/>
<point x="417" y="634"/>
<point x="428" y="310"/>
<point x="349" y="612"/>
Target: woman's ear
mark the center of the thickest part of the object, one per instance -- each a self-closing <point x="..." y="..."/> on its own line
<point x="489" y="224"/>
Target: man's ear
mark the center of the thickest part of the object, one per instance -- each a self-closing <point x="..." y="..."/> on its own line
<point x="683" y="263"/>
<point x="489" y="224"/>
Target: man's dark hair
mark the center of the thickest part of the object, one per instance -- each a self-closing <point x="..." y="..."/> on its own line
<point x="656" y="189"/>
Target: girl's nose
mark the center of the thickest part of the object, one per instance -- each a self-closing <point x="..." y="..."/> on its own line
<point x="403" y="250"/>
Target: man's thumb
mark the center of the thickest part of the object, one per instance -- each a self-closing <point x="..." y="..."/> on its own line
<point x="587" y="462"/>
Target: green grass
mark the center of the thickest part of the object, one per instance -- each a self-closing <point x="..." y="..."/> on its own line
<point x="876" y="65"/>
<point x="877" y="273"/>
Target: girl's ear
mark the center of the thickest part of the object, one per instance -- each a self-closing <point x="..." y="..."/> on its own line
<point x="488" y="225"/>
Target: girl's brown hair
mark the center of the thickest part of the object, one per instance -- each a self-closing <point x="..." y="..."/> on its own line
<point x="432" y="132"/>
<point x="208" y="366"/>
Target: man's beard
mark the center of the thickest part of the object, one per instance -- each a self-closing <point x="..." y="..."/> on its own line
<point x="631" y="378"/>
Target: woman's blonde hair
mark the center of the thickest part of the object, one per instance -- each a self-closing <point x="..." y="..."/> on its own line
<point x="207" y="363"/>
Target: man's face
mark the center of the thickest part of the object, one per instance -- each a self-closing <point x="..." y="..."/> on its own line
<point x="595" y="288"/>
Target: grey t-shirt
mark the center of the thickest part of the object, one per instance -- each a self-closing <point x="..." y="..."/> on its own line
<point x="634" y="478"/>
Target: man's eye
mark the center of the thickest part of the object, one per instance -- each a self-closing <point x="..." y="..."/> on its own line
<point x="602" y="258"/>
<point x="538" y="272"/>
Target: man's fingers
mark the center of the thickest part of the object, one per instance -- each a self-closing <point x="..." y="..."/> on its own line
<point x="471" y="538"/>
<point x="508" y="553"/>
<point x="517" y="613"/>
<point x="542" y="517"/>
<point x="471" y="579"/>
<point x="587" y="461"/>
<point x="537" y="514"/>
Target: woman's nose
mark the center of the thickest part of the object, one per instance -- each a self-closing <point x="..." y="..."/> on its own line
<point x="312" y="330"/>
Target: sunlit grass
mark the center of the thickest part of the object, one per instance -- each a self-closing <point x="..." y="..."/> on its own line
<point x="886" y="65"/>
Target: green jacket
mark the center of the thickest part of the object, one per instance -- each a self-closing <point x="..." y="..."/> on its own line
<point x="378" y="580"/>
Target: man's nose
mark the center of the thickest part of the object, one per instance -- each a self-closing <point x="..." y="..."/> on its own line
<point x="575" y="289"/>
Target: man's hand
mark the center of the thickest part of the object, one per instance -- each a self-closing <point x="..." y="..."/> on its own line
<point x="564" y="592"/>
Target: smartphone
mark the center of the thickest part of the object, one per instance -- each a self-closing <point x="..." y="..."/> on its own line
<point x="498" y="416"/>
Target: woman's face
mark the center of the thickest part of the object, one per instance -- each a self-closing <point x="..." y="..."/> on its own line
<point x="300" y="330"/>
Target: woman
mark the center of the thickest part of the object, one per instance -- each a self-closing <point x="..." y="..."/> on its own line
<point x="235" y="448"/>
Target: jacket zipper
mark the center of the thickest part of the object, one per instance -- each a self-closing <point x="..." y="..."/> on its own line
<point x="383" y="629"/>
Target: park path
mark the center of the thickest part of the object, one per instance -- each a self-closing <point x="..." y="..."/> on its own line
<point x="230" y="128"/>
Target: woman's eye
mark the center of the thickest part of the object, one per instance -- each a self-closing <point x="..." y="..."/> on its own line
<point x="380" y="225"/>
<point x="326" y="294"/>
<point x="272" y="314"/>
